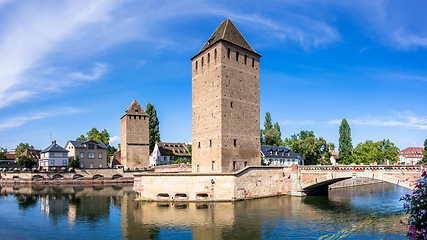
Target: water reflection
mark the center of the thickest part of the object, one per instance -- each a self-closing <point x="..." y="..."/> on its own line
<point x="102" y="211"/>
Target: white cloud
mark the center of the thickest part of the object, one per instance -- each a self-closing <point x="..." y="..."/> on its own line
<point x="18" y="121"/>
<point x="97" y="71"/>
<point x="114" y="140"/>
<point x="405" y="120"/>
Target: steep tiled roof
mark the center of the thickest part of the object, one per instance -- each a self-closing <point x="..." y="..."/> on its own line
<point x="229" y="33"/>
<point x="54" y="147"/>
<point x="282" y="152"/>
<point x="412" y="152"/>
<point x="135" y="110"/>
<point x="31" y="153"/>
<point x="173" y="149"/>
<point x="79" y="144"/>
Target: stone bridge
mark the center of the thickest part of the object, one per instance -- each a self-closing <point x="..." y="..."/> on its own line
<point x="316" y="179"/>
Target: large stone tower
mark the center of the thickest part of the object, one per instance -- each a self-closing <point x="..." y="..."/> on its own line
<point x="134" y="137"/>
<point x="226" y="108"/>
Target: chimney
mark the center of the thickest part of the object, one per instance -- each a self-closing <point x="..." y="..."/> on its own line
<point x="54" y="142"/>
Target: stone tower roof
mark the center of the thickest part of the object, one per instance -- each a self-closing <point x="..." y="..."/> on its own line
<point x="229" y="33"/>
<point x="135" y="110"/>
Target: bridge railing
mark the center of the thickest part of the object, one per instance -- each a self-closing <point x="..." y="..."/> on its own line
<point x="357" y="168"/>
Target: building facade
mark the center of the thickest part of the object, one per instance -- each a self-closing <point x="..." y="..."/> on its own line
<point x="165" y="153"/>
<point x="53" y="156"/>
<point x="411" y="155"/>
<point x="280" y="156"/>
<point x="225" y="103"/>
<point x="135" y="149"/>
<point x="91" y="154"/>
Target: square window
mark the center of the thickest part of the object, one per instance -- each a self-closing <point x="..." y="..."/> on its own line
<point x="82" y="155"/>
<point x="91" y="146"/>
<point x="64" y="162"/>
<point x="91" y="155"/>
<point x="91" y="165"/>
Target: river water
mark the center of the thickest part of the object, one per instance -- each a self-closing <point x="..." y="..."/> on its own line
<point x="110" y="212"/>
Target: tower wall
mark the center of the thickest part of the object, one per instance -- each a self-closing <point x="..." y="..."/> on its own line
<point x="135" y="138"/>
<point x="225" y="109"/>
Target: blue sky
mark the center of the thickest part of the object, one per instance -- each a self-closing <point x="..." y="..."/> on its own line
<point x="68" y="66"/>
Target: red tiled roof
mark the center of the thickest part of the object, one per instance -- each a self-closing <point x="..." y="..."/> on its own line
<point x="10" y="156"/>
<point x="412" y="152"/>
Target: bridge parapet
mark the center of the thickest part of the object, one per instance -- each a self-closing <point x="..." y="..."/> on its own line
<point x="362" y="168"/>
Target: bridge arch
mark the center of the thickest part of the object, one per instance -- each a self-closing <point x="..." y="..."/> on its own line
<point x="316" y="179"/>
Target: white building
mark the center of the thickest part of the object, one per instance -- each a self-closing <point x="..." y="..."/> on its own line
<point x="53" y="156"/>
<point x="280" y="156"/>
<point x="165" y="153"/>
<point x="411" y="155"/>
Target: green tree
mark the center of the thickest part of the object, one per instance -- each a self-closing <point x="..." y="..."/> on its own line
<point x="153" y="126"/>
<point x="26" y="161"/>
<point x="2" y="156"/>
<point x="425" y="149"/>
<point x="370" y="152"/>
<point x="389" y="151"/>
<point x="75" y="163"/>
<point x="311" y="148"/>
<point x="271" y="134"/>
<point x="345" y="145"/>
<point x="20" y="148"/>
<point x="81" y="138"/>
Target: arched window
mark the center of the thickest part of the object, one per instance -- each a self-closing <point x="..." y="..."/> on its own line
<point x="237" y="56"/>
<point x="253" y="62"/>
<point x="209" y="58"/>
<point x="215" y="54"/>
<point x="228" y="53"/>
<point x="196" y="65"/>
<point x="246" y="59"/>
<point x="201" y="64"/>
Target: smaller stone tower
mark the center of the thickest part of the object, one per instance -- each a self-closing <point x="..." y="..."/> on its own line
<point x="135" y="137"/>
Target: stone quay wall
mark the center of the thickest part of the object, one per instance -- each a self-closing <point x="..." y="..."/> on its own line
<point x="175" y="168"/>
<point x="354" y="182"/>
<point x="249" y="183"/>
<point x="79" y="176"/>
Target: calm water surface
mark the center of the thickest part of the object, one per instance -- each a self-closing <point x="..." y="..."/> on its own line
<point x="110" y="212"/>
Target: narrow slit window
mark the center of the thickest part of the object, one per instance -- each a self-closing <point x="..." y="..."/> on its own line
<point x="237" y="56"/>
<point x="213" y="165"/>
<point x="246" y="59"/>
<point x="201" y="64"/>
<point x="209" y="58"/>
<point x="235" y="142"/>
<point x="253" y="62"/>
<point x="228" y="53"/>
<point x="215" y="53"/>
<point x="210" y="143"/>
<point x="196" y="65"/>
<point x="199" y="145"/>
<point x="231" y="104"/>
<point x="234" y="165"/>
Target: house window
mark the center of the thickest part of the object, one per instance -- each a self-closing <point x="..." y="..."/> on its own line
<point x="237" y="56"/>
<point x="100" y="165"/>
<point x="64" y="154"/>
<point x="52" y="162"/>
<point x="64" y="163"/>
<point x="213" y="165"/>
<point x="235" y="142"/>
<point x="234" y="165"/>
<point x="99" y="155"/>
<point x="82" y="155"/>
<point x="228" y="53"/>
<point x="91" y="165"/>
<point x="51" y="154"/>
<point x="82" y="164"/>
<point x="91" y="146"/>
<point x="91" y="155"/>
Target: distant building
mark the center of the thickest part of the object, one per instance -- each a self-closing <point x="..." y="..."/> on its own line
<point x="165" y="153"/>
<point x="92" y="154"/>
<point x="31" y="153"/>
<point x="280" y="156"/>
<point x="335" y="158"/>
<point x="53" y="156"/>
<point x="135" y="151"/>
<point x="411" y="155"/>
<point x="3" y="149"/>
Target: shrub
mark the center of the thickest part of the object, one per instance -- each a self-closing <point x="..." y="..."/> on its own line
<point x="416" y="207"/>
